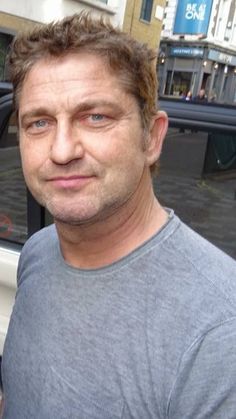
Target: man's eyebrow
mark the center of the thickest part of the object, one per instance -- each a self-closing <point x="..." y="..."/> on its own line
<point x="33" y="113"/>
<point x="82" y="107"/>
<point x="91" y="104"/>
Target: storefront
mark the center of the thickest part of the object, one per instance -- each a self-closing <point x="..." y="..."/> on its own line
<point x="183" y="67"/>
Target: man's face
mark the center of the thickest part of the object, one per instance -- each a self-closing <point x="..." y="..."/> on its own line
<point x="81" y="139"/>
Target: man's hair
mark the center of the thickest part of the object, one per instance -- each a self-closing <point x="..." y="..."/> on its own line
<point x="131" y="60"/>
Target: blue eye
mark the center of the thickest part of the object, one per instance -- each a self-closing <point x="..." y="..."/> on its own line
<point x="41" y="123"/>
<point x="97" y="117"/>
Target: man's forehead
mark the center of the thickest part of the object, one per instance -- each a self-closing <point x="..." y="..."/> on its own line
<point x="76" y="62"/>
<point x="74" y="67"/>
<point x="56" y="75"/>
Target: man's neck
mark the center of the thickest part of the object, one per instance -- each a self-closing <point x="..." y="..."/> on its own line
<point x="91" y="246"/>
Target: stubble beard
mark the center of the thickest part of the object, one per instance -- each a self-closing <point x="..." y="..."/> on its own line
<point x="85" y="211"/>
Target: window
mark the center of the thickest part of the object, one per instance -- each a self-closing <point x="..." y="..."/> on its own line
<point x="178" y="81"/>
<point x="198" y="169"/>
<point x="201" y="187"/>
<point x="219" y="28"/>
<point x="197" y="180"/>
<point x="146" y="10"/>
<point x="5" y="41"/>
<point x="13" y="197"/>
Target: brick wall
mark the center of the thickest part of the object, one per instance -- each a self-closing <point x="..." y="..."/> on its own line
<point x="148" y="32"/>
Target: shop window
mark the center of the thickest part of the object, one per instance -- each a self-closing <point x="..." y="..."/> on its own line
<point x="146" y="10"/>
<point x="178" y="83"/>
<point x="215" y="86"/>
<point x="224" y="94"/>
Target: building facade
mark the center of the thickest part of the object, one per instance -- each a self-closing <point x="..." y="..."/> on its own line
<point x="143" y="20"/>
<point x="18" y="15"/>
<point x="203" y="59"/>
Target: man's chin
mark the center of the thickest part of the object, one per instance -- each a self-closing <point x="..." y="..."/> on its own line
<point x="71" y="213"/>
<point x="77" y="218"/>
<point x="70" y="221"/>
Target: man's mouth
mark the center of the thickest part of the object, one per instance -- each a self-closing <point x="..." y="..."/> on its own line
<point x="70" y="182"/>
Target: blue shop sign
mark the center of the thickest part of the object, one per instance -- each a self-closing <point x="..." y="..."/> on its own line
<point x="192" y="17"/>
<point x="222" y="57"/>
<point x="186" y="52"/>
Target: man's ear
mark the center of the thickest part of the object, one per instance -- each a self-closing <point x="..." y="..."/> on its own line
<point x="155" y="137"/>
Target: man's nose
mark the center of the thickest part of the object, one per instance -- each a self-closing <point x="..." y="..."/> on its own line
<point x="66" y="145"/>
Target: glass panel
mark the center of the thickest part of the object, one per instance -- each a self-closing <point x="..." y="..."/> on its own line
<point x="13" y="203"/>
<point x="146" y="10"/>
<point x="198" y="180"/>
<point x="178" y="83"/>
<point x="5" y="41"/>
<point x="224" y="89"/>
<point x="215" y="86"/>
<point x="168" y="83"/>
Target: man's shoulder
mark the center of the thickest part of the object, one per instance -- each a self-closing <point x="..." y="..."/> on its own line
<point x="183" y="246"/>
<point x="37" y="250"/>
<point x="202" y="254"/>
<point x="40" y="240"/>
<point x="194" y="284"/>
<point x="205" y="266"/>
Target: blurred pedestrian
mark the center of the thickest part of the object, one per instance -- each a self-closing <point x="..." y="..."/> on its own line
<point x="189" y="96"/>
<point x="201" y="97"/>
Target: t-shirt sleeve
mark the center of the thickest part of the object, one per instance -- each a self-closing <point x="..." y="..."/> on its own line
<point x="205" y="386"/>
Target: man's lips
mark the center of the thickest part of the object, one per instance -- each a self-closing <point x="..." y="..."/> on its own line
<point x="66" y="182"/>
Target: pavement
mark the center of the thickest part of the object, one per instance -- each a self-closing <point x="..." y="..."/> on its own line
<point x="207" y="205"/>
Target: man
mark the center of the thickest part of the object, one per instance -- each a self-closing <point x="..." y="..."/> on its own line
<point x="201" y="97"/>
<point x="121" y="310"/>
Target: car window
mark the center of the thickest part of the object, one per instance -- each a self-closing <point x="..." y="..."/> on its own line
<point x="198" y="179"/>
<point x="13" y="202"/>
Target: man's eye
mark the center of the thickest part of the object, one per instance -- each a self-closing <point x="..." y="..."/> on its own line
<point x="39" y="126"/>
<point x="97" y="117"/>
<point x="41" y="123"/>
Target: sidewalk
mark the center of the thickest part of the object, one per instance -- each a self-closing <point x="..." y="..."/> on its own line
<point x="208" y="206"/>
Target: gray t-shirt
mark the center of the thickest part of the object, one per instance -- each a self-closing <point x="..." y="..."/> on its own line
<point x="150" y="336"/>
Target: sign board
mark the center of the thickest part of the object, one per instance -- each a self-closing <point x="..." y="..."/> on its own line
<point x="186" y="52"/>
<point x="222" y="57"/>
<point x="192" y="17"/>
